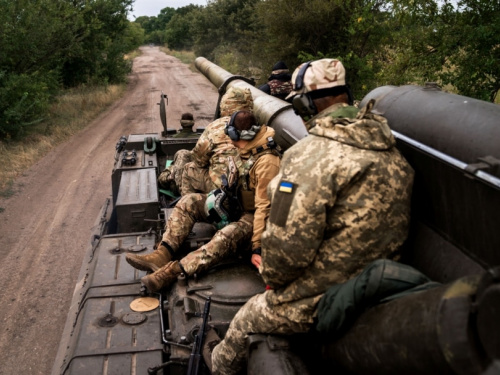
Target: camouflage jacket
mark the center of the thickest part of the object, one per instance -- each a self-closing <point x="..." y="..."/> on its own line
<point x="340" y="201"/>
<point x="213" y="148"/>
<point x="280" y="89"/>
<point x="258" y="171"/>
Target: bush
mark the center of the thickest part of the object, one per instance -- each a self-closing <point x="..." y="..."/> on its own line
<point x="24" y="101"/>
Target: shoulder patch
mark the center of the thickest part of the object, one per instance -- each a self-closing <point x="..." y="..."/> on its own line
<point x="282" y="200"/>
<point x="286" y="187"/>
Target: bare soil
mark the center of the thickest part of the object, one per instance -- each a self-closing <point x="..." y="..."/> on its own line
<point x="46" y="226"/>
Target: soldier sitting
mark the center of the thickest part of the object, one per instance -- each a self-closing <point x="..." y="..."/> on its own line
<point x="279" y="82"/>
<point x="341" y="200"/>
<point x="199" y="170"/>
<point x="187" y="123"/>
<point x="257" y="163"/>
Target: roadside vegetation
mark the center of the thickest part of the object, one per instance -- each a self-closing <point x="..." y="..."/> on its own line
<point x="57" y="56"/>
<point x="67" y="115"/>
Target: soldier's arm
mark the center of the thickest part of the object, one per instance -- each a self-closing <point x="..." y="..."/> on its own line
<point x="266" y="168"/>
<point x="295" y="227"/>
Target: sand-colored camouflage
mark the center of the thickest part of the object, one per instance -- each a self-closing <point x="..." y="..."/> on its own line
<point x="340" y="201"/>
<point x="196" y="180"/>
<point x="191" y="209"/>
<point x="236" y="99"/>
<point x="213" y="148"/>
<point x="320" y="74"/>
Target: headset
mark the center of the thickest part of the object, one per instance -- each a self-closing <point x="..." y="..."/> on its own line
<point x="303" y="104"/>
<point x="235" y="134"/>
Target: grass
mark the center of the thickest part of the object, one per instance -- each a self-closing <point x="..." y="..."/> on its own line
<point x="187" y="57"/>
<point x="71" y="112"/>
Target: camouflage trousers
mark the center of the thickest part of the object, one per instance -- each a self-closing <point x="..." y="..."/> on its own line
<point x="256" y="316"/>
<point x="191" y="209"/>
<point x="196" y="180"/>
<point x="171" y="178"/>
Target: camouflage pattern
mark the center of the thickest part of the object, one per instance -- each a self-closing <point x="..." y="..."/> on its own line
<point x="196" y="180"/>
<point x="171" y="177"/>
<point x="320" y="74"/>
<point x="256" y="316"/>
<point x="213" y="148"/>
<point x="191" y="209"/>
<point x="236" y="99"/>
<point x="280" y="89"/>
<point x="340" y="201"/>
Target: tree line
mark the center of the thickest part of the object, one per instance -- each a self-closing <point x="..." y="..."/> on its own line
<point x="453" y="42"/>
<point x="49" y="45"/>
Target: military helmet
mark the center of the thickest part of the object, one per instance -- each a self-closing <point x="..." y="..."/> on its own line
<point x="317" y="75"/>
<point x="215" y="209"/>
<point x="236" y="99"/>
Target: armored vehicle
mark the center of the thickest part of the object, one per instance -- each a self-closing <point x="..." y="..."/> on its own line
<point x="116" y="326"/>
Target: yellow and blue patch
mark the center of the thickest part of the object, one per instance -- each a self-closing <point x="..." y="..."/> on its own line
<point x="286" y="187"/>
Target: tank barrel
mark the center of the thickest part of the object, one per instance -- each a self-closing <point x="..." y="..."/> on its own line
<point x="269" y="110"/>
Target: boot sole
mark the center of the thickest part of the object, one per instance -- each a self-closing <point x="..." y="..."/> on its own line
<point x="141" y="264"/>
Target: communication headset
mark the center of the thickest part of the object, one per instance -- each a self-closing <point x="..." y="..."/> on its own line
<point x="303" y="104"/>
<point x="235" y="134"/>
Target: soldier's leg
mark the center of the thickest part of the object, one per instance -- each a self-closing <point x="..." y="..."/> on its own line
<point x="189" y="210"/>
<point x="186" y="213"/>
<point x="256" y="316"/>
<point x="223" y="243"/>
<point x="171" y="178"/>
<point x="196" y="180"/>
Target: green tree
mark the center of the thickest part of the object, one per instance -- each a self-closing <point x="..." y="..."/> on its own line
<point x="473" y="64"/>
<point x="48" y="42"/>
<point x="353" y="31"/>
<point x="178" y="33"/>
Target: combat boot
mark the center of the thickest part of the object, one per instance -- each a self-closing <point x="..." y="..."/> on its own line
<point x="163" y="277"/>
<point x="150" y="262"/>
<point x="211" y="341"/>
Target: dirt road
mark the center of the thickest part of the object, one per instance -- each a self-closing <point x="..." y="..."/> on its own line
<point x="45" y="228"/>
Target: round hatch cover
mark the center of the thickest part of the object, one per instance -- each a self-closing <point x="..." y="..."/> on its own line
<point x="144" y="304"/>
<point x="134" y="318"/>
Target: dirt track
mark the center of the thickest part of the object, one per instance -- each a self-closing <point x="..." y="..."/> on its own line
<point x="45" y="228"/>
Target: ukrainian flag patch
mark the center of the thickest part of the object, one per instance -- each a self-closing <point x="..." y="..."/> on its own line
<point x="286" y="187"/>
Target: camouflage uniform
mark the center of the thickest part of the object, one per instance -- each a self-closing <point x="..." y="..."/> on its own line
<point x="191" y="208"/>
<point x="171" y="178"/>
<point x="279" y="82"/>
<point x="200" y="173"/>
<point x="340" y="201"/>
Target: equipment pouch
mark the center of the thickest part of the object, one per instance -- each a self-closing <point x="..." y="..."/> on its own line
<point x="247" y="200"/>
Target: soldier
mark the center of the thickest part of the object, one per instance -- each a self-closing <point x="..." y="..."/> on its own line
<point x="199" y="170"/>
<point x="340" y="201"/>
<point x="279" y="82"/>
<point x="257" y="163"/>
<point x="187" y="123"/>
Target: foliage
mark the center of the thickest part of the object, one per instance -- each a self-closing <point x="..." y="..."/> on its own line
<point x="47" y="45"/>
<point x="178" y="32"/>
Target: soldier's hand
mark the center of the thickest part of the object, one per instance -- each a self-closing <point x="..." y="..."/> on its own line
<point x="256" y="259"/>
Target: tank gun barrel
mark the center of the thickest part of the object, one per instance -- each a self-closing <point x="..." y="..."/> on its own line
<point x="269" y="110"/>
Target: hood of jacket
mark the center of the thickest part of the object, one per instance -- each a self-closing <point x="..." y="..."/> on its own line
<point x="366" y="130"/>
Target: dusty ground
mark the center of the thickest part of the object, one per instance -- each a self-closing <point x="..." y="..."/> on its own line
<point x="45" y="228"/>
